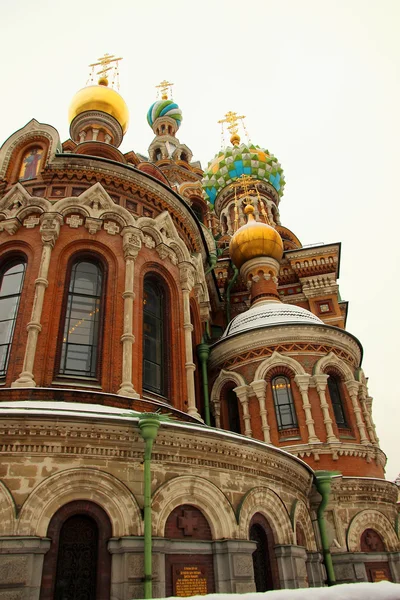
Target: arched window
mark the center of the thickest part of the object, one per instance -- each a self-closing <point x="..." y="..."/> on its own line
<point x="81" y="333"/>
<point x="233" y="412"/>
<point x="284" y="407"/>
<point x="336" y="399"/>
<point x="154" y="375"/>
<point x="12" y="279"/>
<point x="157" y="154"/>
<point x="198" y="211"/>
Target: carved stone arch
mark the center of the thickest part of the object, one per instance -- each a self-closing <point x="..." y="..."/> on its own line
<point x="360" y="376"/>
<point x="38" y="207"/>
<point x="198" y="492"/>
<point x="32" y="131"/>
<point x="149" y="229"/>
<point x="278" y="360"/>
<point x="74" y="208"/>
<point x="302" y="516"/>
<point x="333" y="361"/>
<point x="80" y="484"/>
<point x="266" y="502"/>
<point x="18" y="198"/>
<point x="223" y="378"/>
<point x="114" y="216"/>
<point x="211" y="244"/>
<point x="371" y="519"/>
<point x="97" y="202"/>
<point x="7" y="512"/>
<point x="180" y="249"/>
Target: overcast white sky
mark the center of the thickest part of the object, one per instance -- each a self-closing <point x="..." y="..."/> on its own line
<point x="319" y="82"/>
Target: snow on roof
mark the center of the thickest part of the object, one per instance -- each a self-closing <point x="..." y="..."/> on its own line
<point x="75" y="409"/>
<point x="384" y="590"/>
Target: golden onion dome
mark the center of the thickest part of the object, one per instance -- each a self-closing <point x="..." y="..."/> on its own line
<point x="253" y="240"/>
<point x="101" y="98"/>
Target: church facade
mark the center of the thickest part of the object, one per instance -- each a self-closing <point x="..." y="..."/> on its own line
<point x="182" y="409"/>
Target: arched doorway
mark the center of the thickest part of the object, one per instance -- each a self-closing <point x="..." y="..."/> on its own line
<point x="77" y="559"/>
<point x="372" y="542"/>
<point x="78" y="564"/>
<point x="264" y="561"/>
<point x="192" y="573"/>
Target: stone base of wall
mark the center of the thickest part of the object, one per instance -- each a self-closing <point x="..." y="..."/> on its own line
<point x="21" y="563"/>
<point x="351" y="567"/>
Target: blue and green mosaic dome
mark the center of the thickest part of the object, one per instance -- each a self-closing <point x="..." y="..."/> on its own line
<point x="164" y="108"/>
<point x="245" y="159"/>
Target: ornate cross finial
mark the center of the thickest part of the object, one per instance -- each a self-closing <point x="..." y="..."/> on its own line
<point x="233" y="119"/>
<point x="165" y="87"/>
<point x="105" y="64"/>
<point x="245" y="183"/>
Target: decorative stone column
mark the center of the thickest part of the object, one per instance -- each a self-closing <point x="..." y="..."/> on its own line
<point x="367" y="416"/>
<point x="260" y="388"/>
<point x="49" y="230"/>
<point x="352" y="387"/>
<point x="321" y="383"/>
<point x="216" y="410"/>
<point x="368" y="402"/>
<point x="187" y="283"/>
<point x="242" y="393"/>
<point x="303" y="382"/>
<point x="131" y="244"/>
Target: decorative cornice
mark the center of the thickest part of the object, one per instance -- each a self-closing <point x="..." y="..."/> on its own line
<point x="259" y="343"/>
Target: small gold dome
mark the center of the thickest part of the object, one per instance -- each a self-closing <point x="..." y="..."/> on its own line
<point x="101" y="98"/>
<point x="253" y="240"/>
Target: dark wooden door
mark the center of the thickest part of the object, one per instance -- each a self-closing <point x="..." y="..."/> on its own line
<point x="77" y="559"/>
<point x="261" y="561"/>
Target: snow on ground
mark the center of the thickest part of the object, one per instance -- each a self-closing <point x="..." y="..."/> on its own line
<point x="383" y="590"/>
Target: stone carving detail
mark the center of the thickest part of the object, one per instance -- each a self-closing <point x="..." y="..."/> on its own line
<point x="93" y="225"/>
<point x="372" y="519"/>
<point x="242" y="565"/>
<point x="111" y="227"/>
<point x="149" y="242"/>
<point x="31" y="222"/>
<point x="74" y="221"/>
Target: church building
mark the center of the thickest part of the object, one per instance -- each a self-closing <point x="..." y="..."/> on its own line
<point x="182" y="410"/>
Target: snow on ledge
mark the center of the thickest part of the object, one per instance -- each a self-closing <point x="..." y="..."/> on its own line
<point x="383" y="590"/>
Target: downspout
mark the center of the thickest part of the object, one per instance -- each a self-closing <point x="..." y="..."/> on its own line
<point x="228" y="294"/>
<point x="323" y="484"/>
<point x="212" y="259"/>
<point x="203" y="352"/>
<point x="148" y="424"/>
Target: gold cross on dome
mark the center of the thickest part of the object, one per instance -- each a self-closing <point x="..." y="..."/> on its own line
<point x="232" y="118"/>
<point x="164" y="87"/>
<point x="245" y="182"/>
<point x="104" y="63"/>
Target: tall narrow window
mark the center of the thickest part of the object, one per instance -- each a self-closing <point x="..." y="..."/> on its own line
<point x="284" y="406"/>
<point x="154" y="376"/>
<point x="10" y="292"/>
<point x="80" y="346"/>
<point x="336" y="399"/>
<point x="233" y="412"/>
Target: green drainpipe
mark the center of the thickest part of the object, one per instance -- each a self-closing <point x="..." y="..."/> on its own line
<point x="203" y="352"/>
<point x="323" y="484"/>
<point x="212" y="259"/>
<point x="228" y="294"/>
<point x="148" y="424"/>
